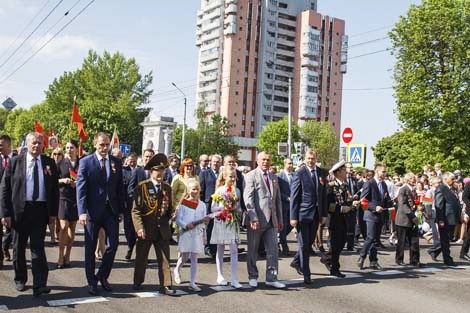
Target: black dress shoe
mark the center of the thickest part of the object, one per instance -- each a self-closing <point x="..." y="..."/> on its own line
<point x="433" y="256"/>
<point x="465" y="257"/>
<point x="93" y="290"/>
<point x="375" y="266"/>
<point x="6" y="255"/>
<point x="451" y="263"/>
<point x="307" y="281"/>
<point x="67" y="265"/>
<point x="41" y="291"/>
<point x="60" y="266"/>
<point x="337" y="274"/>
<point x="128" y="255"/>
<point x="20" y="286"/>
<point x="326" y="262"/>
<point x="419" y="264"/>
<point x="241" y="250"/>
<point x="168" y="291"/>
<point x="137" y="287"/>
<point x="297" y="268"/>
<point x="360" y="263"/>
<point x="104" y="283"/>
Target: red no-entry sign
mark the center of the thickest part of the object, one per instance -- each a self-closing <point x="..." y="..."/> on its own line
<point x="347" y="135"/>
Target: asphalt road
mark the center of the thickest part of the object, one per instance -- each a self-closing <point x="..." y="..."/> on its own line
<point x="435" y="288"/>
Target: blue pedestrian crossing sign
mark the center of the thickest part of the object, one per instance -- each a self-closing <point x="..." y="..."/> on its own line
<point x="125" y="149"/>
<point x="357" y="154"/>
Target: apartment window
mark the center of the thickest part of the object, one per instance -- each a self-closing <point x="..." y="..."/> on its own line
<point x="236" y="93"/>
<point x="283" y="5"/>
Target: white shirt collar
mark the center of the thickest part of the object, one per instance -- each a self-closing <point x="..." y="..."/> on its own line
<point x="29" y="158"/>
<point x="100" y="157"/>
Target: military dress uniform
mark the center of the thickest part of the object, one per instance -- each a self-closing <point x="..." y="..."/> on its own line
<point x="151" y="212"/>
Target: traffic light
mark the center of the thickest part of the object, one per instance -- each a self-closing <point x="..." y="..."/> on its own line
<point x="298" y="148"/>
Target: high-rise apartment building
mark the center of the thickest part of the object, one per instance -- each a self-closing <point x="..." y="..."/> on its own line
<point x="248" y="51"/>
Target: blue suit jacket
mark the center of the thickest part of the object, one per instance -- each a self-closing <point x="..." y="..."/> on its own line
<point x="302" y="207"/>
<point x="93" y="189"/>
<point x="207" y="181"/>
<point x="372" y="194"/>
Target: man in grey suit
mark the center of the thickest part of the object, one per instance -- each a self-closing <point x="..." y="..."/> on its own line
<point x="448" y="211"/>
<point x="406" y="222"/>
<point x="264" y="218"/>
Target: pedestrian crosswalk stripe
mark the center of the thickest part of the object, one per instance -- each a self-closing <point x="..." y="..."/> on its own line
<point x="389" y="272"/>
<point x="292" y="281"/>
<point x="73" y="301"/>
<point x="3" y="308"/>
<point x="150" y="294"/>
<point x="227" y="288"/>
<point x="462" y="267"/>
<point x="348" y="275"/>
<point x="428" y="270"/>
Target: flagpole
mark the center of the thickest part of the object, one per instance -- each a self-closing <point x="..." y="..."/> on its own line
<point x="71" y="121"/>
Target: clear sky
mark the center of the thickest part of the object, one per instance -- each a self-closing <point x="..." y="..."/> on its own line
<point x="160" y="35"/>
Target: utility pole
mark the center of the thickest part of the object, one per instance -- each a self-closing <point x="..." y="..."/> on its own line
<point x="289" y="119"/>
<point x="183" y="135"/>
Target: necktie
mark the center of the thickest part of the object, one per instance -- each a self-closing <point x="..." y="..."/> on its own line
<point x="5" y="161"/>
<point x="35" y="180"/>
<point x="314" y="180"/>
<point x="379" y="184"/>
<point x="350" y="183"/>
<point x="157" y="187"/>
<point x="103" y="169"/>
<point x="266" y="180"/>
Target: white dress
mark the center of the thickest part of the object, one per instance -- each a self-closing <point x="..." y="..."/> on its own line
<point x="222" y="233"/>
<point x="191" y="240"/>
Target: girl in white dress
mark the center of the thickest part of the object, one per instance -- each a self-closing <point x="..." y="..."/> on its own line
<point x="191" y="219"/>
<point x="226" y="226"/>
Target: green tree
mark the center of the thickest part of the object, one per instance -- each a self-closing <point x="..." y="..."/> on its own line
<point x="272" y="134"/>
<point x="322" y="137"/>
<point x="209" y="137"/>
<point x="3" y="119"/>
<point x="432" y="76"/>
<point x="110" y="92"/>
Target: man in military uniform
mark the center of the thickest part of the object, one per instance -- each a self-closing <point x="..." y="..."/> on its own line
<point x="151" y="215"/>
<point x="340" y="204"/>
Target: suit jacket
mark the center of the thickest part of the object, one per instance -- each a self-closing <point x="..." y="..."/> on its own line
<point x="240" y="184"/>
<point x="138" y="175"/>
<point x="127" y="172"/>
<point x="207" y="180"/>
<point x="155" y="222"/>
<point x="169" y="176"/>
<point x="259" y="201"/>
<point x="372" y="193"/>
<point x="405" y="207"/>
<point x="93" y="189"/>
<point x="13" y="188"/>
<point x="66" y="192"/>
<point x="284" y="186"/>
<point x="466" y="198"/>
<point x="303" y="207"/>
<point x="447" y="205"/>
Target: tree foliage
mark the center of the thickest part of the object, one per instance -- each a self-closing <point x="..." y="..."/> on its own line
<point x="3" y="119"/>
<point x="110" y="93"/>
<point x="209" y="137"/>
<point x="322" y="137"/>
<point x="272" y="134"/>
<point x="432" y="76"/>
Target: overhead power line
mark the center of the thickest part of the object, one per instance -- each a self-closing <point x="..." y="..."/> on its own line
<point x="371" y="31"/>
<point x="31" y="33"/>
<point x="366" y="54"/>
<point x="23" y="30"/>
<point x="47" y="42"/>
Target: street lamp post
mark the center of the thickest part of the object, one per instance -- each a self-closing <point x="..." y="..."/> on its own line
<point x="183" y="135"/>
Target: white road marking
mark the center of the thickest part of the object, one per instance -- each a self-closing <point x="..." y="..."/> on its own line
<point x="150" y="294"/>
<point x="73" y="301"/>
<point x="427" y="270"/>
<point x="389" y="272"/>
<point x="3" y="308"/>
<point x="348" y="275"/>
<point x="292" y="281"/>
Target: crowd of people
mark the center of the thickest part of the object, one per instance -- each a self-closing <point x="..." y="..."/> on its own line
<point x="202" y="208"/>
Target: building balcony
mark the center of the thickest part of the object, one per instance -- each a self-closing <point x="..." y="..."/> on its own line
<point x="216" y="13"/>
<point x="210" y="87"/>
<point x="308" y="62"/>
<point x="230" y="29"/>
<point x="287" y="22"/>
<point x="210" y="67"/>
<point x="210" y="26"/>
<point x="231" y="9"/>
<point x="212" y="5"/>
<point x="231" y="1"/>
<point x="215" y="34"/>
<point x="207" y="78"/>
<point x="210" y="56"/>
<point x="285" y="42"/>
<point x="230" y="19"/>
<point x="286" y="32"/>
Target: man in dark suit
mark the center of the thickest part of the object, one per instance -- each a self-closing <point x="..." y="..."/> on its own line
<point x="129" y="230"/>
<point x="307" y="209"/>
<point x="376" y="193"/>
<point x="151" y="213"/>
<point x="140" y="174"/>
<point x="466" y="244"/>
<point x="207" y="181"/>
<point x="5" y="157"/>
<point x="351" y="218"/>
<point x="203" y="164"/>
<point x="285" y="180"/>
<point x="448" y="212"/>
<point x="406" y="222"/>
<point x="173" y="169"/>
<point x="100" y="203"/>
<point x="29" y="199"/>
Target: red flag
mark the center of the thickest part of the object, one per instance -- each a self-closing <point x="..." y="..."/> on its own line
<point x="80" y="150"/>
<point x="42" y="132"/>
<point x="115" y="140"/>
<point x="76" y="118"/>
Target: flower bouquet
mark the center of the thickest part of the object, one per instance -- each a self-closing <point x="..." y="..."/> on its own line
<point x="228" y="201"/>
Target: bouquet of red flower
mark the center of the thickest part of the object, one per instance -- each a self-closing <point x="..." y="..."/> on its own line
<point x="229" y="213"/>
